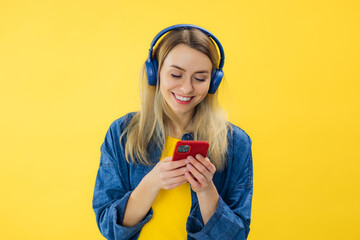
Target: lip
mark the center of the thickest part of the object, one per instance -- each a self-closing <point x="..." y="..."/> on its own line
<point x="181" y="102"/>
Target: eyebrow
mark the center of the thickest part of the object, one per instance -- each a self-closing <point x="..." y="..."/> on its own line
<point x="201" y="71"/>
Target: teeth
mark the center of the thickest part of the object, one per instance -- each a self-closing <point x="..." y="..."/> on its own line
<point x="184" y="99"/>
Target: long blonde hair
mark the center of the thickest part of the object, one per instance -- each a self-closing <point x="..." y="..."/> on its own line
<point x="152" y="122"/>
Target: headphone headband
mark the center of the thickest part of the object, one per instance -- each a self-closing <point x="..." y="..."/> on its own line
<point x="189" y="26"/>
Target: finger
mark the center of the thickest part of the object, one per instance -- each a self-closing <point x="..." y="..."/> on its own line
<point x="167" y="174"/>
<point x="166" y="182"/>
<point x="174" y="173"/>
<point x="197" y="164"/>
<point x="208" y="164"/>
<point x="177" y="172"/>
<point x="176" y="180"/>
<point x="200" y="177"/>
<point x="200" y="167"/>
<point x="174" y="164"/>
<point x="191" y="180"/>
<point x="176" y="184"/>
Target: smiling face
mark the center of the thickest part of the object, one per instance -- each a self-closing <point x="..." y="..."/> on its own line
<point x="185" y="79"/>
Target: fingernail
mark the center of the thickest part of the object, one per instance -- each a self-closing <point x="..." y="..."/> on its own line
<point x="186" y="161"/>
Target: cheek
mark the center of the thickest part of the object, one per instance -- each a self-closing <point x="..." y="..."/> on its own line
<point x="204" y="89"/>
<point x="167" y="84"/>
<point x="164" y="87"/>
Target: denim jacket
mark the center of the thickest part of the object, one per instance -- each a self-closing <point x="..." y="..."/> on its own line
<point x="116" y="179"/>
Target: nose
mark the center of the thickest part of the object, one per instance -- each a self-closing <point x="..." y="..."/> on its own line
<point x="187" y="86"/>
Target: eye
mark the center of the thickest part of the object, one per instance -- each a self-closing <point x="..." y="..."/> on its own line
<point x="175" y="76"/>
<point x="200" y="79"/>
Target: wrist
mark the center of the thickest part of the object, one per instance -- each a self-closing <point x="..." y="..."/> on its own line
<point x="208" y="201"/>
<point x="150" y="183"/>
<point x="210" y="191"/>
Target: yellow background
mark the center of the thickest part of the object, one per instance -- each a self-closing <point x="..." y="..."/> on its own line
<point x="70" y="68"/>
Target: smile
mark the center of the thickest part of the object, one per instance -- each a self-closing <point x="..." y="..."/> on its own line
<point x="182" y="99"/>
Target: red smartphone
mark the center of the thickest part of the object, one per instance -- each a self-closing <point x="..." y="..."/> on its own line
<point x="183" y="149"/>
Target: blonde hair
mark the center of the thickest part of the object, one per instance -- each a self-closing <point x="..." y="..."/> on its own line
<point x="152" y="123"/>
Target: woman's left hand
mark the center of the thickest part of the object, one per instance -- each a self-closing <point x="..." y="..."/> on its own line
<point x="200" y="173"/>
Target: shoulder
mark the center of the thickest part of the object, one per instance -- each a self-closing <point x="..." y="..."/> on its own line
<point x="111" y="146"/>
<point x="239" y="138"/>
<point x="117" y="127"/>
<point x="120" y="124"/>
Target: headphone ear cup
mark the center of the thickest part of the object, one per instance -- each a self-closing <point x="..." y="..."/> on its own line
<point x="151" y="68"/>
<point x="155" y="66"/>
<point x="216" y="77"/>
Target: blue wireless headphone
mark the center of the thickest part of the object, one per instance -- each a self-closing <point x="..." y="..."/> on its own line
<point x="151" y="64"/>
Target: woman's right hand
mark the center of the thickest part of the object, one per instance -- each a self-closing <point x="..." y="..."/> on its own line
<point x="168" y="174"/>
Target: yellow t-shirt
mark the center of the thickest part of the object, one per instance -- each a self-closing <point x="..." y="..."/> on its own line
<point x="171" y="208"/>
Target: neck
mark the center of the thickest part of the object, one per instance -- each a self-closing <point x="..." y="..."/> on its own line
<point x="180" y="125"/>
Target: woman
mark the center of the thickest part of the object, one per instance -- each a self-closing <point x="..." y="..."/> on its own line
<point x="140" y="193"/>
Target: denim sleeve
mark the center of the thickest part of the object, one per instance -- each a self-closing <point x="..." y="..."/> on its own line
<point x="231" y="219"/>
<point x="112" y="191"/>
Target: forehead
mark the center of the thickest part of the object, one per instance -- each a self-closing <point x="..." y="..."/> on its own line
<point x="187" y="58"/>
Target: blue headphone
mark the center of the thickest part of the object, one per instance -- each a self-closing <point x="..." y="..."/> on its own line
<point x="151" y="64"/>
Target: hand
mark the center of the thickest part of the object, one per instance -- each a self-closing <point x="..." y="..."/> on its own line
<point x="168" y="174"/>
<point x="200" y="173"/>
